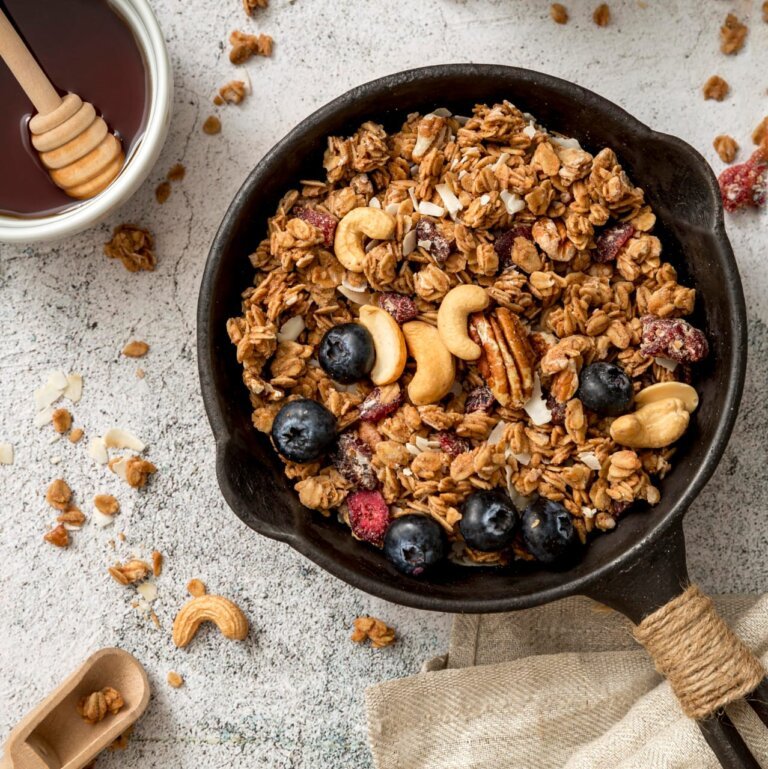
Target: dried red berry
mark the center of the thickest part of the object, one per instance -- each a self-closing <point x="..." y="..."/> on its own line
<point x="402" y="308"/>
<point x="380" y="403"/>
<point x="452" y="444"/>
<point x="479" y="399"/>
<point x="429" y="237"/>
<point x="352" y="459"/>
<point x="326" y="223"/>
<point x="368" y="516"/>
<point x="557" y="409"/>
<point x="503" y="244"/>
<point x="745" y="184"/>
<point x="611" y="240"/>
<point x="673" y="338"/>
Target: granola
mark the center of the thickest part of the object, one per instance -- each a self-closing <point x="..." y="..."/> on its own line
<point x="561" y="241"/>
<point x="716" y="88"/>
<point x="133" y="246"/>
<point x="373" y="630"/>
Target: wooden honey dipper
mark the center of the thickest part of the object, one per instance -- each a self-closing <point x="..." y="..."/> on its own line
<point x="74" y="143"/>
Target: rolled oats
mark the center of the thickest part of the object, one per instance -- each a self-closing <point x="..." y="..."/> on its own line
<point x="602" y="15"/>
<point x="559" y="13"/>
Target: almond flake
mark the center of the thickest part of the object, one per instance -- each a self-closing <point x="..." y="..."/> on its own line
<point x="589" y="458"/>
<point x="513" y="203"/>
<point x="291" y="329"/>
<point x="536" y="407"/>
<point x="97" y="450"/>
<point x="46" y="396"/>
<point x="6" y="454"/>
<point x="57" y="379"/>
<point x="43" y="417"/>
<point x="116" y="438"/>
<point x="497" y="433"/>
<point x="74" y="389"/>
<point x="357" y="297"/>
<point x="451" y="202"/>
<point x="100" y="519"/>
<point x="409" y="243"/>
<point x="430" y="209"/>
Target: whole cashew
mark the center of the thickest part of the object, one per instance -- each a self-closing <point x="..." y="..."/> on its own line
<point x="388" y="342"/>
<point x="653" y="426"/>
<point x="434" y="363"/>
<point x="661" y="390"/>
<point x="227" y="616"/>
<point x="350" y="231"/>
<point x="457" y="304"/>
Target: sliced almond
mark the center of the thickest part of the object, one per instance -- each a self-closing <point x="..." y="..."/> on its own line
<point x="97" y="450"/>
<point x="117" y="438"/>
<point x="74" y="389"/>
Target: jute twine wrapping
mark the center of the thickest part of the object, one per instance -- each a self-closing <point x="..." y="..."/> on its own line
<point x="706" y="664"/>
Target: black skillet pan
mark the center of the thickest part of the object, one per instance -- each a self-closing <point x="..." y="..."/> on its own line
<point x="638" y="567"/>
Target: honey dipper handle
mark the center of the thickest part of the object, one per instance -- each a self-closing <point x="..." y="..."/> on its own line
<point x="25" y="69"/>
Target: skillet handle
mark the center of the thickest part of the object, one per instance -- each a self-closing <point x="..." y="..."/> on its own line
<point x="657" y="576"/>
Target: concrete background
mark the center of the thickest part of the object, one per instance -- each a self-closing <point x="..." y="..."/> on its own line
<point x="292" y="694"/>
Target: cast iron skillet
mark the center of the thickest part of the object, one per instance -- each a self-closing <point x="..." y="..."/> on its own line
<point x="638" y="567"/>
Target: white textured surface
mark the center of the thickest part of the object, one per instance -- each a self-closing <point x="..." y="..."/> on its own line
<point x="292" y="694"/>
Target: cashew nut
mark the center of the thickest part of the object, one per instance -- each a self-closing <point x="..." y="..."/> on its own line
<point x="388" y="342"/>
<point x="661" y="390"/>
<point x="653" y="426"/>
<point x="458" y="303"/>
<point x="350" y="231"/>
<point x="434" y="363"/>
<point x="227" y="616"/>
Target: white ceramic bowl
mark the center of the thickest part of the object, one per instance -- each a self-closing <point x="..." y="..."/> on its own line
<point x="141" y="19"/>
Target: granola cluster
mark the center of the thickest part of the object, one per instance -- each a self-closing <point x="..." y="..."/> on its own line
<point x="561" y="242"/>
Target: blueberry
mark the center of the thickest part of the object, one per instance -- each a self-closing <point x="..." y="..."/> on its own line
<point x="548" y="532"/>
<point x="346" y="352"/>
<point x="414" y="543"/>
<point x="488" y="520"/>
<point x="303" y="430"/>
<point x="605" y="388"/>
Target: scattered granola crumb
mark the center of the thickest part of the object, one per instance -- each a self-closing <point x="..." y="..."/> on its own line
<point x="602" y="15"/>
<point x="212" y="125"/>
<point x="716" y="88"/>
<point x="73" y="517"/>
<point x="162" y="192"/>
<point x="765" y="11"/>
<point x="370" y="628"/>
<point x="726" y="147"/>
<point x="76" y="435"/>
<point x="61" y="420"/>
<point x="761" y="131"/>
<point x="133" y="246"/>
<point x="107" y="504"/>
<point x="121" y="743"/>
<point x="195" y="588"/>
<point x="155" y="619"/>
<point x="121" y="536"/>
<point x="58" y="494"/>
<point x="140" y="373"/>
<point x="157" y="563"/>
<point x="175" y="680"/>
<point x="130" y="572"/>
<point x="95" y="706"/>
<point x="559" y="13"/>
<point x="732" y="35"/>
<point x="135" y="349"/>
<point x="135" y="471"/>
<point x="232" y="92"/>
<point x="57" y="536"/>
<point x="244" y="46"/>
<point x="249" y="6"/>
<point x="177" y="173"/>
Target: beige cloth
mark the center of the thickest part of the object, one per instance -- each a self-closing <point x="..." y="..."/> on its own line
<point x="563" y="686"/>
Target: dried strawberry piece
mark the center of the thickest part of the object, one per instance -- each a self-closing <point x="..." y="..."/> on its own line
<point x="557" y="409"/>
<point x="352" y="459"/>
<point x="452" y="444"/>
<point x="611" y="240"/>
<point x="380" y="403"/>
<point x="429" y="237"/>
<point x="673" y="338"/>
<point x="503" y="244"/>
<point x="368" y="516"/>
<point x="402" y="308"/>
<point x="745" y="184"/>
<point x="479" y="399"/>
<point x="326" y="223"/>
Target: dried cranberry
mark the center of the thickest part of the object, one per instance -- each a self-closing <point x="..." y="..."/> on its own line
<point x="402" y="308"/>
<point x="429" y="237"/>
<point x="352" y="459"/>
<point x="611" y="240"/>
<point x="452" y="444"/>
<point x="326" y="223"/>
<point x="673" y="338"/>
<point x="503" y="244"/>
<point x="374" y="409"/>
<point x="745" y="184"/>
<point x="617" y="508"/>
<point x="368" y="516"/>
<point x="557" y="409"/>
<point x="479" y="399"/>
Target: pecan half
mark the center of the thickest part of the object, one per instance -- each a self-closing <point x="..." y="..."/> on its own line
<point x="507" y="361"/>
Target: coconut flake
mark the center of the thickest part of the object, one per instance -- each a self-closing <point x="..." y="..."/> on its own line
<point x="430" y="209"/>
<point x="356" y="297"/>
<point x="424" y="444"/>
<point x="496" y="434"/>
<point x="409" y="243"/>
<point x="102" y="520"/>
<point x="425" y="244"/>
<point x="520" y="501"/>
<point x="451" y="202"/>
<point x="291" y="329"/>
<point x="589" y="458"/>
<point x="530" y="130"/>
<point x="523" y="457"/>
<point x="588" y="512"/>
<point x="442" y="112"/>
<point x="669" y="365"/>
<point x="407" y="471"/>
<point x="485" y="199"/>
<point x="565" y="142"/>
<point x="147" y="590"/>
<point x="74" y="389"/>
<point x="412" y="196"/>
<point x="117" y="438"/>
<point x="47" y="395"/>
<point x="374" y="203"/>
<point x="513" y="203"/>
<point x="55" y="460"/>
<point x="393" y="209"/>
<point x="97" y="450"/>
<point x="536" y="407"/>
<point x="500" y="161"/>
<point x="6" y="454"/>
<point x="44" y="417"/>
<point x="423" y="143"/>
<point x="411" y="449"/>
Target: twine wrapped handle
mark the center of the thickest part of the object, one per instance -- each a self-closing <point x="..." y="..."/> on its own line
<point x="705" y="662"/>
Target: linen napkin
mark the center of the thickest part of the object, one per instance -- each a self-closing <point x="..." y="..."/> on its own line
<point x="562" y="686"/>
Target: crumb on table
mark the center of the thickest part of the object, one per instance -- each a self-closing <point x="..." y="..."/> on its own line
<point x="133" y="246"/>
<point x="716" y="88"/>
<point x="602" y="15"/>
<point x="373" y="630"/>
<point x="212" y="125"/>
<point x="559" y="13"/>
<point x="726" y="147"/>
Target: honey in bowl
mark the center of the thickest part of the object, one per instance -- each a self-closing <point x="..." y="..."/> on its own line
<point x="109" y="72"/>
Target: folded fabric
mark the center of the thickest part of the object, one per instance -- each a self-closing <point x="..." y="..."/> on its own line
<point x="562" y="686"/>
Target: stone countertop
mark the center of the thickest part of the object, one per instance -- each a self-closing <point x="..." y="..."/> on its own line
<point x="292" y="694"/>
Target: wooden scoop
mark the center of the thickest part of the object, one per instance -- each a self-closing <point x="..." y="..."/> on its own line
<point x="74" y="143"/>
<point x="54" y="736"/>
